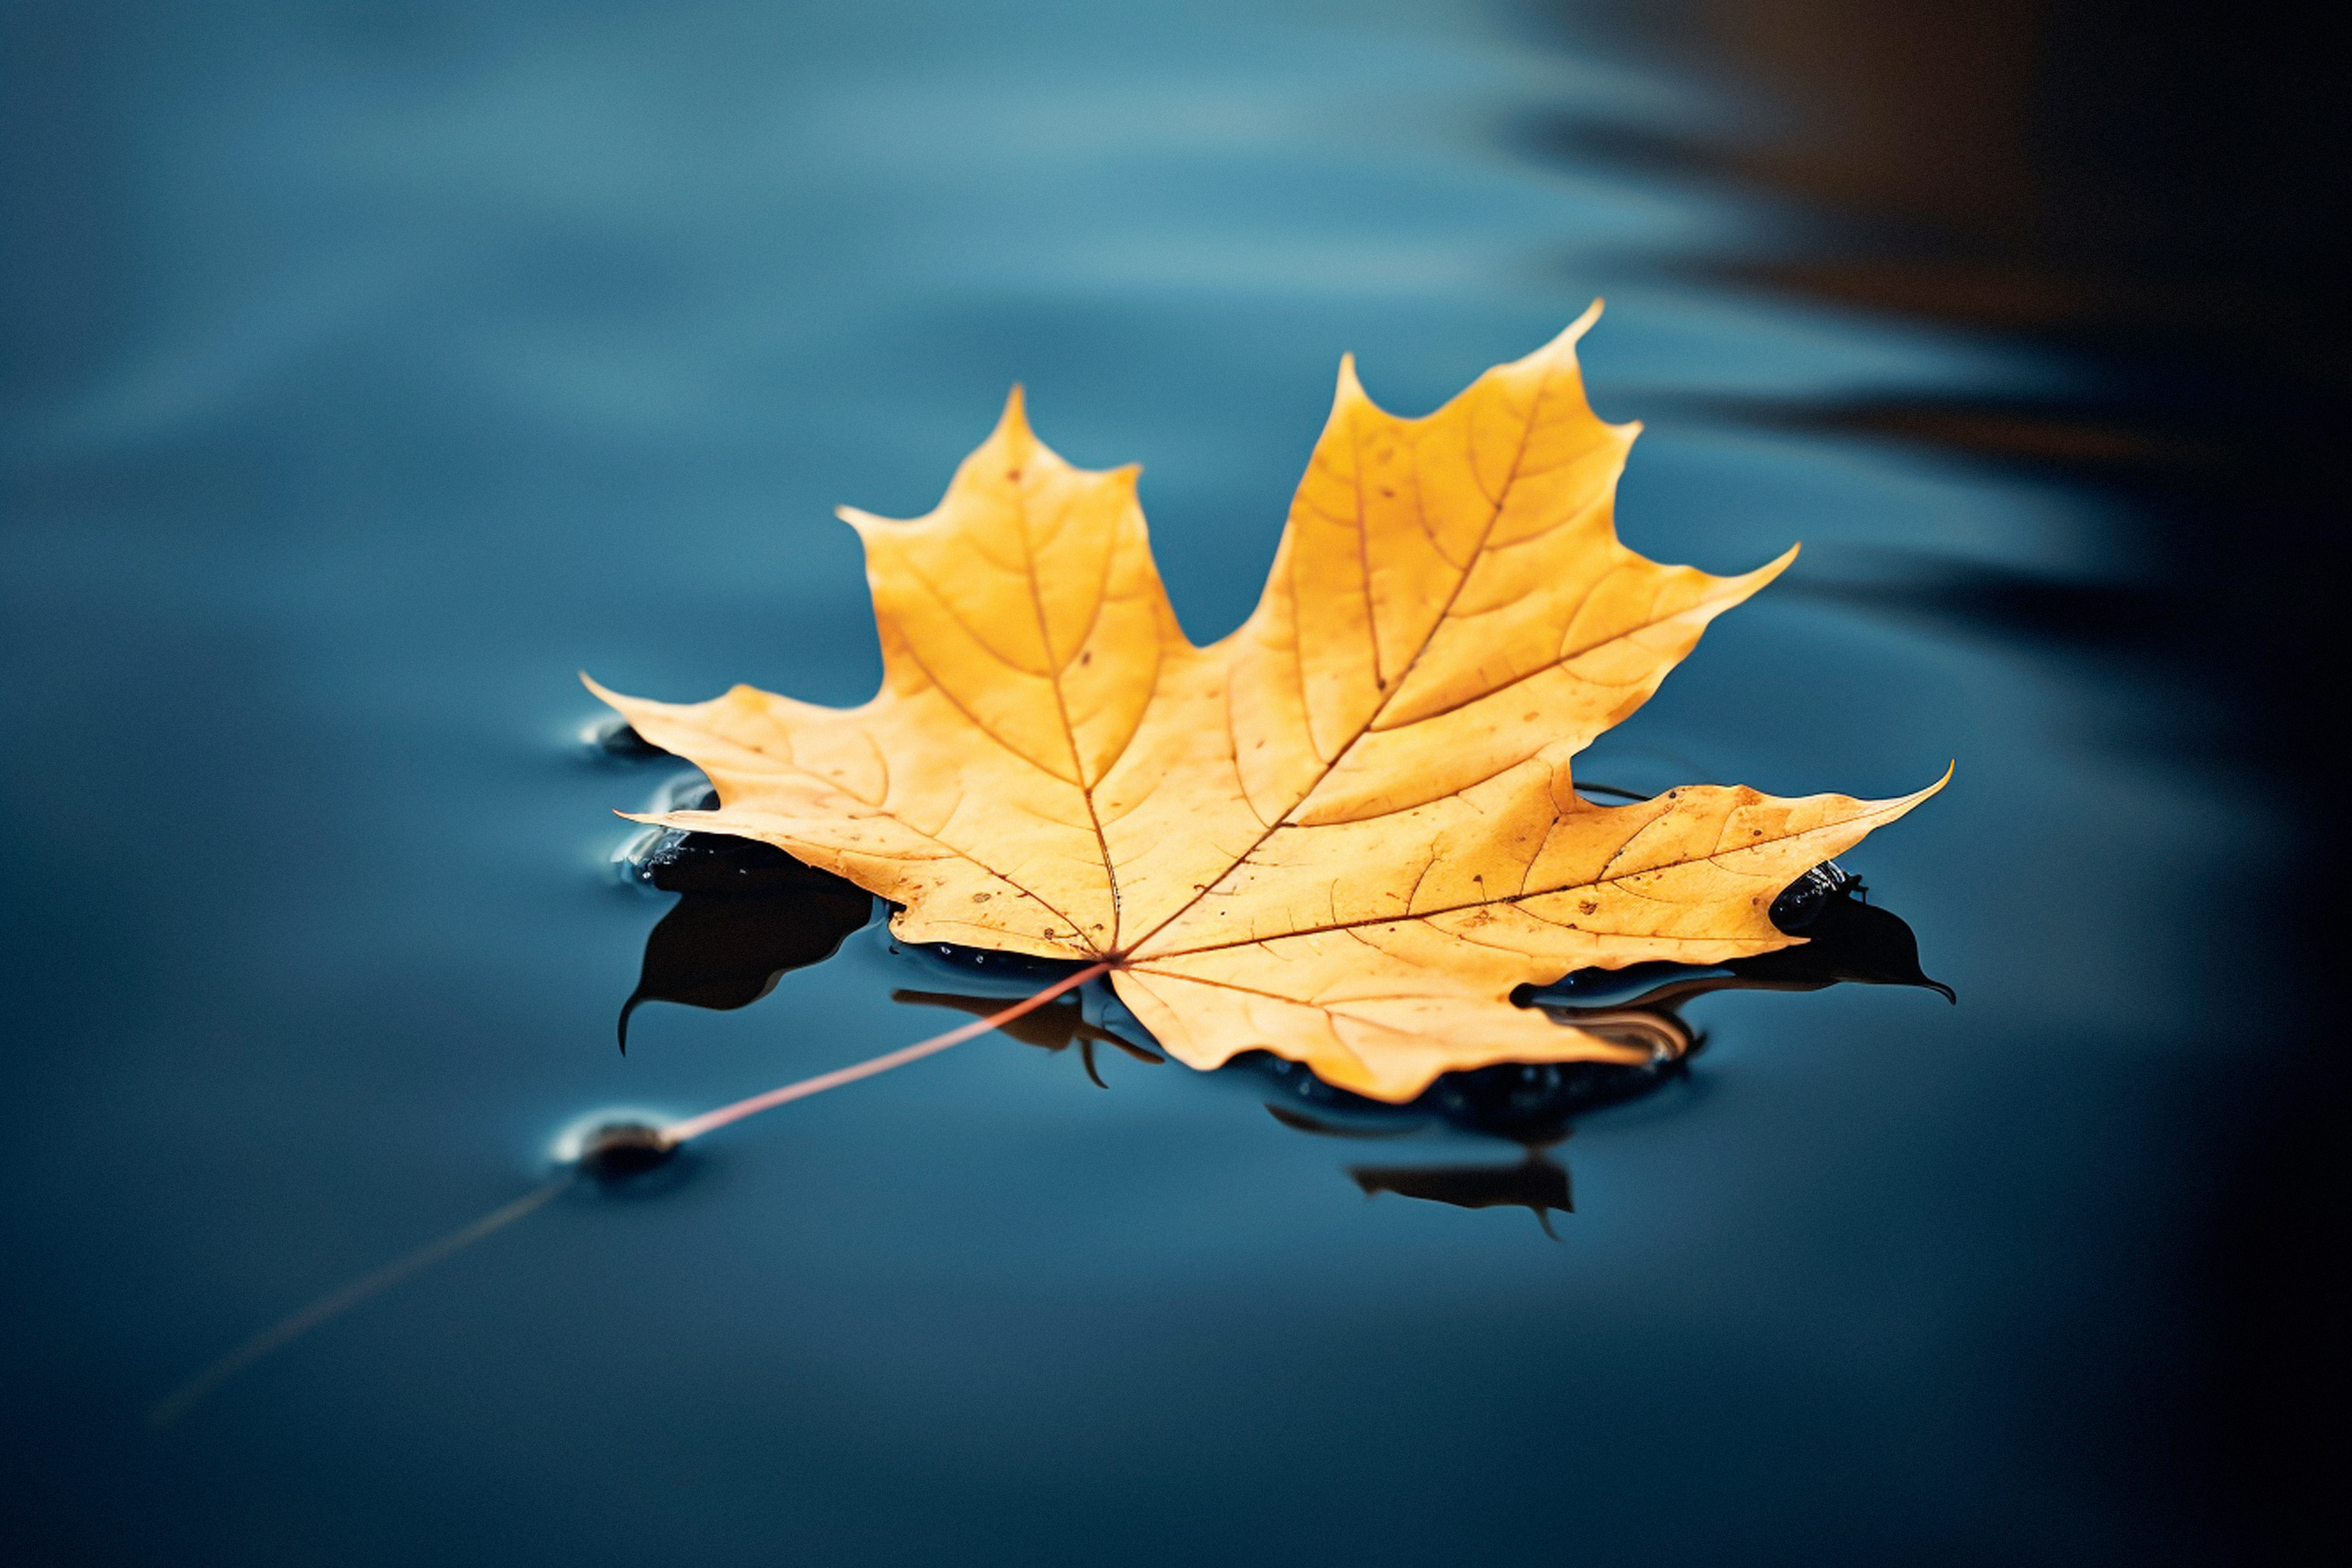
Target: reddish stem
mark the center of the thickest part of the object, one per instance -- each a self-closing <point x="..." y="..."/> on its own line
<point x="678" y="1133"/>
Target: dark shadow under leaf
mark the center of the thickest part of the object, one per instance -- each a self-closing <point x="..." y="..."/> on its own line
<point x="747" y="915"/>
<point x="1536" y="1183"/>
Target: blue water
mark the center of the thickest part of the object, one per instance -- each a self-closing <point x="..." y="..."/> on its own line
<point x="389" y="364"/>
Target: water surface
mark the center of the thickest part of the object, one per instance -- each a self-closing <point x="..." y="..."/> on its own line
<point x="383" y="366"/>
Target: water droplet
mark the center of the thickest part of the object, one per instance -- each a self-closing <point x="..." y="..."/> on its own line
<point x="618" y="1150"/>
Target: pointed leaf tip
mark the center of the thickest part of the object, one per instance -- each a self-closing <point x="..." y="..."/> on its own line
<point x="1563" y="344"/>
<point x="1015" y="420"/>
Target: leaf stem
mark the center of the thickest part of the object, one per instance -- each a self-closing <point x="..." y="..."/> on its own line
<point x="693" y="1127"/>
<point x="335" y="1303"/>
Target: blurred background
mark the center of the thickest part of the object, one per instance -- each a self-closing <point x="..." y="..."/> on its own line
<point x="371" y="369"/>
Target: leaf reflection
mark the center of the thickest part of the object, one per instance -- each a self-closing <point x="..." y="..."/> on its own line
<point x="1847" y="941"/>
<point x="748" y="915"/>
<point x="1536" y="1183"/>
<point x="1055" y="1028"/>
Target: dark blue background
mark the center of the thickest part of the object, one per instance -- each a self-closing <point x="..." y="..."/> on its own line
<point x="374" y="368"/>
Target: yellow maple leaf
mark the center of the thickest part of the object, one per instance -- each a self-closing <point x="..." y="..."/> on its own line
<point x="1344" y="834"/>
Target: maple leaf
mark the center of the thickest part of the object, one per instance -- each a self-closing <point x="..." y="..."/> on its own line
<point x="1344" y="834"/>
